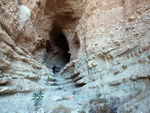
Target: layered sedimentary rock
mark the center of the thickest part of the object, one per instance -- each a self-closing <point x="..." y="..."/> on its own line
<point x="115" y="49"/>
<point x="17" y="64"/>
<point x="101" y="47"/>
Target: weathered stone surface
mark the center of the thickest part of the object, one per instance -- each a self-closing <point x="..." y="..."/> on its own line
<point x="61" y="109"/>
<point x="41" y="110"/>
<point x="109" y="46"/>
<point x="133" y="77"/>
<point x="3" y="81"/>
<point x="56" y="98"/>
<point x="117" y="82"/>
<point x="8" y="90"/>
<point x="69" y="97"/>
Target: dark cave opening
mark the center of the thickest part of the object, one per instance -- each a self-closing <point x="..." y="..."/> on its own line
<point x="57" y="49"/>
<point x="62" y="44"/>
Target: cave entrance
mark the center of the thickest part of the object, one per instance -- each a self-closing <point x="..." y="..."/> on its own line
<point x="57" y="49"/>
<point x="62" y="45"/>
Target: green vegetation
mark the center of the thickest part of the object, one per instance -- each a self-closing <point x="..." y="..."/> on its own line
<point x="37" y="97"/>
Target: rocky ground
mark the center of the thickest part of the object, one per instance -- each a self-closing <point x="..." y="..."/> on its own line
<point x="61" y="97"/>
<point x="101" y="50"/>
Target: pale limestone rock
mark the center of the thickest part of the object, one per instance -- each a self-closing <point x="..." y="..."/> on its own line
<point x="8" y="90"/>
<point x="76" y="111"/>
<point x="69" y="97"/>
<point x="24" y="15"/>
<point x="61" y="109"/>
<point x="41" y="110"/>
<point x="56" y="98"/>
<point x="133" y="77"/>
<point x="116" y="82"/>
<point x="108" y="41"/>
<point x="3" y="81"/>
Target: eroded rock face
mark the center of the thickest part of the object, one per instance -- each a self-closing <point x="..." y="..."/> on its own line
<point x="16" y="62"/>
<point x="102" y="48"/>
<point x="114" y="53"/>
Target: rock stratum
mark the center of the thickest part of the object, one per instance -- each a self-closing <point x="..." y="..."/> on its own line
<point x="101" y="50"/>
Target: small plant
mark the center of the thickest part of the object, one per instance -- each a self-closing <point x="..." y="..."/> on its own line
<point x="37" y="97"/>
<point x="48" y="79"/>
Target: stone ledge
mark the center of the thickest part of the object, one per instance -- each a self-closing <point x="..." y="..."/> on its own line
<point x="3" y="81"/>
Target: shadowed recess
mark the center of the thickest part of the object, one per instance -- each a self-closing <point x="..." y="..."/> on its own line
<point x="57" y="49"/>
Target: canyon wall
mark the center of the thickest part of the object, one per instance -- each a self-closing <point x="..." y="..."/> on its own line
<point x="103" y="47"/>
<point x="19" y="71"/>
<point x="114" y="53"/>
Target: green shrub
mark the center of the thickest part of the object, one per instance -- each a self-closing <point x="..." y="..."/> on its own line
<point x="37" y="97"/>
